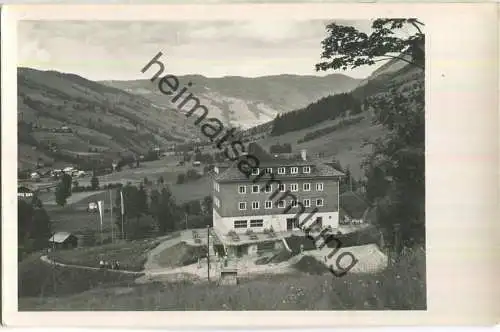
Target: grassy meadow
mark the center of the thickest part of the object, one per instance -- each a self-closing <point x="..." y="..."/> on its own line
<point x="74" y="217"/>
<point x="131" y="254"/>
<point x="345" y="144"/>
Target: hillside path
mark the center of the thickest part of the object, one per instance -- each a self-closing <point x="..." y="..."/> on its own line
<point x="45" y="259"/>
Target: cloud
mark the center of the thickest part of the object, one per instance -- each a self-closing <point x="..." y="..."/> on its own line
<point x="32" y="52"/>
<point x="262" y="31"/>
<point x="118" y="49"/>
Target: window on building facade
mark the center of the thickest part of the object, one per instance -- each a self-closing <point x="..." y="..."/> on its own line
<point x="269" y="170"/>
<point x="294" y="170"/>
<point x="269" y="205"/>
<point x="319" y="186"/>
<point x="255" y="188"/>
<point x="319" y="202"/>
<point x="306" y="187"/>
<point x="282" y="187"/>
<point x="294" y="187"/>
<point x="242" y="205"/>
<point x="257" y="223"/>
<point x="242" y="189"/>
<point x="307" y="202"/>
<point x="281" y="204"/>
<point x="281" y="170"/>
<point x="255" y="205"/>
<point x="216" y="186"/>
<point x="217" y="202"/>
<point x="255" y="171"/>
<point x="269" y="188"/>
<point x="240" y="224"/>
<point x="306" y="169"/>
<point x="293" y="204"/>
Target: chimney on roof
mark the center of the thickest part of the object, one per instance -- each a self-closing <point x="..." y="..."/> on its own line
<point x="303" y="154"/>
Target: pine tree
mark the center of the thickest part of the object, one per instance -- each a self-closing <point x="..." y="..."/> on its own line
<point x="61" y="195"/>
<point x="94" y="183"/>
<point x="34" y="225"/>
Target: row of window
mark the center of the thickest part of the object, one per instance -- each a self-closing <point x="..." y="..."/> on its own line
<point x="282" y="170"/>
<point x="244" y="223"/>
<point x="281" y="204"/>
<point x="242" y="189"/>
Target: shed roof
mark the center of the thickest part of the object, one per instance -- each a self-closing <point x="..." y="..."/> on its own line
<point x="60" y="237"/>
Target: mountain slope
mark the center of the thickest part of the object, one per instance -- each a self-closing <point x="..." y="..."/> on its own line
<point x="391" y="66"/>
<point x="341" y="137"/>
<point x="247" y="102"/>
<point x="100" y="119"/>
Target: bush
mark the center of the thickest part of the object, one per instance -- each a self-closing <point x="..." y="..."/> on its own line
<point x="199" y="221"/>
<point x="113" y="185"/>
<point x="365" y="236"/>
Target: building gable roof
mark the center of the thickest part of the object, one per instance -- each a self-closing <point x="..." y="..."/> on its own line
<point x="233" y="174"/>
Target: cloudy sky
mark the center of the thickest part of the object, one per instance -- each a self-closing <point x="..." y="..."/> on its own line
<point x="103" y="50"/>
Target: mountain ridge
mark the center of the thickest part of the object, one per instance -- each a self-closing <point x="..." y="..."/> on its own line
<point x="247" y="101"/>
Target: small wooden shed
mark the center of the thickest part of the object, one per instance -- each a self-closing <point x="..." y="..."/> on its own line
<point x="63" y="240"/>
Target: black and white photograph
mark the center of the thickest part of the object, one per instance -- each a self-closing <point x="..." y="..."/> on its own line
<point x="221" y="165"/>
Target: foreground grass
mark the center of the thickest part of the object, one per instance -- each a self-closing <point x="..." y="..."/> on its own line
<point x="132" y="255"/>
<point x="401" y="287"/>
<point x="41" y="280"/>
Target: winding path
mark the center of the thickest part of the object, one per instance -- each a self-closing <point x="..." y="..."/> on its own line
<point x="45" y="259"/>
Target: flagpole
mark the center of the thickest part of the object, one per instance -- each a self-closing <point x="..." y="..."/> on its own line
<point x="111" y="215"/>
<point x="100" y="217"/>
<point x="123" y="234"/>
<point x="100" y="205"/>
<point x="101" y="232"/>
<point x="122" y="212"/>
